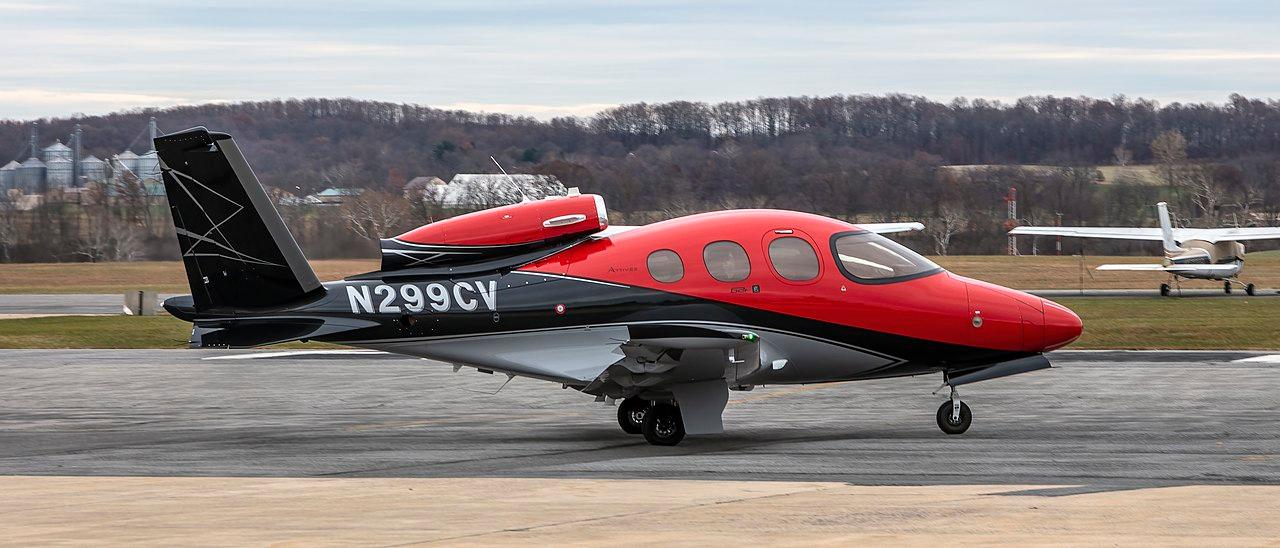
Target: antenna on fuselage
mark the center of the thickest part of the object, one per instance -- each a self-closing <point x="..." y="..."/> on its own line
<point x="523" y="198"/>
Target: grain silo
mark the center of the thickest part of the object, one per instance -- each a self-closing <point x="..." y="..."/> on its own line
<point x="125" y="162"/>
<point x="30" y="177"/>
<point x="93" y="170"/>
<point x="55" y="151"/>
<point x="8" y="176"/>
<point x="59" y="173"/>
<point x="148" y="167"/>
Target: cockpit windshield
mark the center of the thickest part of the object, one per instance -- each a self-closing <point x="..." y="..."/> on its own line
<point x="869" y="257"/>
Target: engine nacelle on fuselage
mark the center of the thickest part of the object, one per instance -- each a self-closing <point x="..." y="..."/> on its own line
<point x="516" y="230"/>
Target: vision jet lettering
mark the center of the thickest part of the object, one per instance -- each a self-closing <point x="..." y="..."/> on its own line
<point x="1197" y="253"/>
<point x="667" y="317"/>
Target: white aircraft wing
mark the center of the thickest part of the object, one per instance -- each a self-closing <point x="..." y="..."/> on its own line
<point x="1168" y="268"/>
<point x="890" y="228"/>
<point x="1211" y="235"/>
<point x="1214" y="235"/>
<point x="1108" y="232"/>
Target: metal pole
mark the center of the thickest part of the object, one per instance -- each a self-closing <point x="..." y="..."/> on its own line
<point x="77" y="151"/>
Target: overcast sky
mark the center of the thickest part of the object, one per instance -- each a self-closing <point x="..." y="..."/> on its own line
<point x="555" y="57"/>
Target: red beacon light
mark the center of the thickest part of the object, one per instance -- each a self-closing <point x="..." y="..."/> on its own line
<point x="498" y="233"/>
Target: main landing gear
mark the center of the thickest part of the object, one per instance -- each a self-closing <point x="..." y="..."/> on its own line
<point x="631" y="414"/>
<point x="954" y="416"/>
<point x="1249" y="289"/>
<point x="660" y="423"/>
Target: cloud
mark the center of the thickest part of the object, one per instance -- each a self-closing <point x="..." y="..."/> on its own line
<point x="10" y="7"/>
<point x="46" y="102"/>
<point x="573" y="57"/>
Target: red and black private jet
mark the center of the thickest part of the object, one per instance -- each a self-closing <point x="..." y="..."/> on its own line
<point x="666" y="317"/>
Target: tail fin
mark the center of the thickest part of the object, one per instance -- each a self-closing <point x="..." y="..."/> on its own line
<point x="237" y="251"/>
<point x="1166" y="229"/>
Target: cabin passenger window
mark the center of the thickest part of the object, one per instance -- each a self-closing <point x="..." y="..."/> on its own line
<point x="665" y="266"/>
<point x="794" y="259"/>
<point x="865" y="256"/>
<point x="726" y="261"/>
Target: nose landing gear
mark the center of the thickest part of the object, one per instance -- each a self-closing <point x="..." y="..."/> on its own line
<point x="954" y="416"/>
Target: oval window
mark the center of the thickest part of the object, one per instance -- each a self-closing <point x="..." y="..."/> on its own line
<point x="726" y="261"/>
<point x="794" y="259"/>
<point x="665" y="266"/>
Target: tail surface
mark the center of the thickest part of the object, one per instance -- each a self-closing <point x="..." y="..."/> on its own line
<point x="236" y="249"/>
<point x="1166" y="229"/>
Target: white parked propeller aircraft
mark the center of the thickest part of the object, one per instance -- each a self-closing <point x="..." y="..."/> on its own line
<point x="1200" y="253"/>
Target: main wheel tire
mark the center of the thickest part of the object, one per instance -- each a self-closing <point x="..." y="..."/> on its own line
<point x="1226" y="287"/>
<point x="1164" y="290"/>
<point x="663" y="425"/>
<point x="1249" y="290"/>
<point x="953" y="428"/>
<point x="631" y="414"/>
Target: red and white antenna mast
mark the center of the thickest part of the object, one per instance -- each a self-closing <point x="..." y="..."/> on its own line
<point x="1012" y="201"/>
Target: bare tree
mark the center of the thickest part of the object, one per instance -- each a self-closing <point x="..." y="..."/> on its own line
<point x="373" y="215"/>
<point x="1122" y="156"/>
<point x="109" y="235"/>
<point x="1204" y="189"/>
<point x="9" y="236"/>
<point x="340" y="175"/>
<point x="1170" y="151"/>
<point x="949" y="221"/>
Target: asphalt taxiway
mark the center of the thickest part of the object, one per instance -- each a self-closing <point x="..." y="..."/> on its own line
<point x="169" y="447"/>
<point x="1099" y="418"/>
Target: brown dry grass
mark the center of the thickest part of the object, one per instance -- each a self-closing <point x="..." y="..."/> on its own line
<point x="161" y="276"/>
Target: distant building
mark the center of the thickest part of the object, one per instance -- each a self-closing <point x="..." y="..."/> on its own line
<point x="59" y="167"/>
<point x="8" y="176"/>
<point x="424" y="182"/>
<point x="56" y="151"/>
<point x="333" y="196"/>
<point x="475" y="191"/>
<point x="30" y="178"/>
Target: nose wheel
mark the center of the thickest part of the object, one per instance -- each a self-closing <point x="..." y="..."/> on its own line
<point x="954" y="416"/>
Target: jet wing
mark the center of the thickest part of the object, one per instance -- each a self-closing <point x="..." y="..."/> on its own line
<point x="1168" y="268"/>
<point x="890" y="228"/>
<point x="1107" y="232"/>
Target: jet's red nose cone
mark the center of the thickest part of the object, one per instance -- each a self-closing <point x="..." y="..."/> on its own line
<point x="1061" y="326"/>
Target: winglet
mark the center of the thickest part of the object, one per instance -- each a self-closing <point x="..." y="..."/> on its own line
<point x="1166" y="229"/>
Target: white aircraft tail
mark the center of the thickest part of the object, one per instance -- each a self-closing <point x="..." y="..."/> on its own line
<point x="1166" y="229"/>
